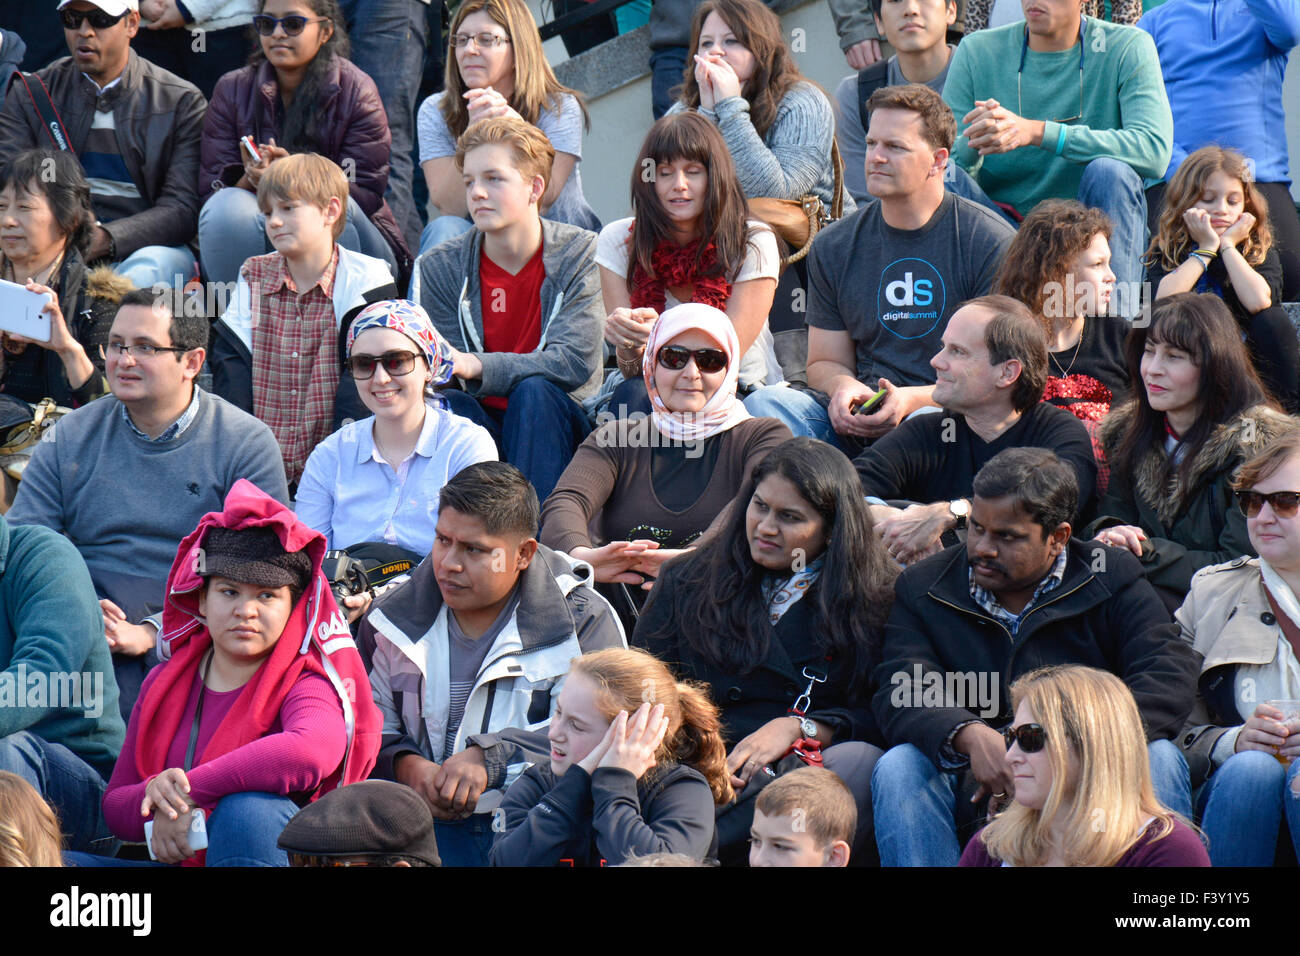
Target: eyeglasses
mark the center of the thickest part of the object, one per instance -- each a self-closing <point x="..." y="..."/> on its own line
<point x="675" y="357"/>
<point x="484" y="41"/>
<point x="72" y="19"/>
<point x="398" y="363"/>
<point x="293" y="25"/>
<point x="1024" y="50"/>
<point x="1284" y="503"/>
<point x="142" y="351"/>
<point x="1032" y="737"/>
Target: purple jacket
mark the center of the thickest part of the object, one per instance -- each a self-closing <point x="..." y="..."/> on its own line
<point x="246" y="102"/>
<point x="1182" y="847"/>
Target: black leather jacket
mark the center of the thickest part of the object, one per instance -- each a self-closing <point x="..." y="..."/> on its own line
<point x="159" y="119"/>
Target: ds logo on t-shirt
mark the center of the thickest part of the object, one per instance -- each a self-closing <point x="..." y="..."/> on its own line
<point x="911" y="298"/>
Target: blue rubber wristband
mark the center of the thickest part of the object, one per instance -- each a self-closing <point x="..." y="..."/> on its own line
<point x="1060" y="140"/>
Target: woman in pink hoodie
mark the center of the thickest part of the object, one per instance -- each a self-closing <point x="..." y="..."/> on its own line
<point x="264" y="704"/>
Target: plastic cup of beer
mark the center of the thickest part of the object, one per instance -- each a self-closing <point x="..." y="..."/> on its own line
<point x="1290" y="714"/>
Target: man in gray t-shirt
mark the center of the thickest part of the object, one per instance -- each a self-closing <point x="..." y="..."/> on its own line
<point x="883" y="282"/>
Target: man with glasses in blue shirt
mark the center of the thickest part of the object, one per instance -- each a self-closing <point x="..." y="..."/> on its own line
<point x="1063" y="106"/>
<point x="127" y="477"/>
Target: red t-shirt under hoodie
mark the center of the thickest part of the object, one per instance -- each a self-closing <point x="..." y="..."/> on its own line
<point x="512" y="310"/>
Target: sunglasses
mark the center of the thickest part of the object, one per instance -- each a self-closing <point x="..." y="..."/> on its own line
<point x="362" y="367"/>
<point x="1031" y="737"/>
<point x="1284" y="503"/>
<point x="675" y="357"/>
<point x="293" y="25"/>
<point x="72" y="19"/>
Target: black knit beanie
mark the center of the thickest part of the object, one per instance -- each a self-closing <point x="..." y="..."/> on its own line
<point x="253" y="556"/>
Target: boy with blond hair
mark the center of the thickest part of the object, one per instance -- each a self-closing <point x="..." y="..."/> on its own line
<point x="277" y="349"/>
<point x="518" y="297"/>
<point x="805" y="818"/>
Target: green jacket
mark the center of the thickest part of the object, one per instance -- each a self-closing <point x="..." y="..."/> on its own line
<point x="57" y="679"/>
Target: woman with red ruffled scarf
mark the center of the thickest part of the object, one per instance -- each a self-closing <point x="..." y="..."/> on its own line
<point x="264" y="704"/>
<point x="689" y="240"/>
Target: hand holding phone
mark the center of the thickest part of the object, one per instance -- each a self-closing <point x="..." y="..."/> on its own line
<point x="250" y="150"/>
<point x="869" y="404"/>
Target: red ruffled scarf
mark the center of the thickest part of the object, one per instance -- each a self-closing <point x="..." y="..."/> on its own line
<point x="676" y="266"/>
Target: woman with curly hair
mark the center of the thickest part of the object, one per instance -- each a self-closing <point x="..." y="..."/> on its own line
<point x="1083" y="794"/>
<point x="1059" y="265"/>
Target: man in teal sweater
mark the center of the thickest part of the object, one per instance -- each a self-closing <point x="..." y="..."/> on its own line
<point x="60" y="729"/>
<point x="1064" y="106"/>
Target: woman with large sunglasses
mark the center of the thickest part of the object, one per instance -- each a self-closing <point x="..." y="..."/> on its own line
<point x="1199" y="410"/>
<point x="299" y="94"/>
<point x="1083" y="793"/>
<point x="1243" y="736"/>
<point x="378" y="479"/>
<point x="649" y="486"/>
<point x="781" y="611"/>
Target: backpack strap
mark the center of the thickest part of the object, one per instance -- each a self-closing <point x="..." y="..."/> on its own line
<point x="870" y="80"/>
<point x="44" y="106"/>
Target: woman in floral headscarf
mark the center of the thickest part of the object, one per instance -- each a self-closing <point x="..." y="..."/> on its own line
<point x="378" y="479"/>
<point x="649" y="486"/>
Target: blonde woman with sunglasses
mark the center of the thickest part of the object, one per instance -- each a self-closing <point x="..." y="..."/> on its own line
<point x="1082" y="794"/>
<point x="1243" y="616"/>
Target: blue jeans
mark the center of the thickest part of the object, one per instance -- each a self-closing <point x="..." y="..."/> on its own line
<point x="538" y="433"/>
<point x="244" y="828"/>
<point x="72" y="786"/>
<point x="464" y="842"/>
<point x="441" y="229"/>
<point x="960" y="183"/>
<point x="799" y="410"/>
<point x="387" y="39"/>
<point x="232" y="229"/>
<point x="914" y="803"/>
<point x="1242" y="806"/>
<point x="158" y="265"/>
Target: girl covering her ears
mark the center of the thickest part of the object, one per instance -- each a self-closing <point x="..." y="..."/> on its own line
<point x="1214" y="236"/>
<point x="1083" y="792"/>
<point x="299" y="94"/>
<point x="637" y="767"/>
<point x="263" y="704"/>
<point x="689" y="239"/>
<point x="496" y="67"/>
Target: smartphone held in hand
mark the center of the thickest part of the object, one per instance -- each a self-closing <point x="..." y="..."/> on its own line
<point x="20" y="311"/>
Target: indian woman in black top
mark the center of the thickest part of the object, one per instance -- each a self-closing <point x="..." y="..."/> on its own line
<point x="781" y="612"/>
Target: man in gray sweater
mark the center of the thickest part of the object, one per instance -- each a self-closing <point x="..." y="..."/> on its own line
<point x="129" y="475"/>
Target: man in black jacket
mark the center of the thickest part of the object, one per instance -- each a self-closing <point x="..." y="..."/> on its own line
<point x="1019" y="595"/>
<point x="989" y="378"/>
<point x="136" y="130"/>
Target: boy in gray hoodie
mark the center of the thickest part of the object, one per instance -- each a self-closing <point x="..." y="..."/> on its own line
<point x="518" y="297"/>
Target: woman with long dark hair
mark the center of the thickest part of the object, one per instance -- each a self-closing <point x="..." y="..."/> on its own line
<point x="299" y="94"/>
<point x="781" y="612"/>
<point x="689" y="239"/>
<point x="1199" y="410"/>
